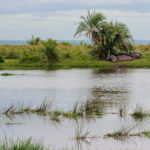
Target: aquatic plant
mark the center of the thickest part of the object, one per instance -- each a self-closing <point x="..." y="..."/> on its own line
<point x="140" y="113"/>
<point x="81" y="134"/>
<point x="43" y="108"/>
<point x="55" y="117"/>
<point x="22" y="145"/>
<point x="121" y="134"/>
<point x="10" y="110"/>
<point x="146" y="134"/>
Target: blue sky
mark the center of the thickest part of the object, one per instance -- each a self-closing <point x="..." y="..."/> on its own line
<point x="19" y="19"/>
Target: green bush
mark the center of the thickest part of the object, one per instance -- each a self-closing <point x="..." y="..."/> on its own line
<point x="49" y="49"/>
<point x="1" y="59"/>
<point x="30" y="58"/>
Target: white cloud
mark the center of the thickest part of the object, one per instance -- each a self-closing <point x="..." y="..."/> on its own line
<point x="61" y="24"/>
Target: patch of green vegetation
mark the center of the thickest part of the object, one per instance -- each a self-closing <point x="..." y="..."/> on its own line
<point x="42" y="109"/>
<point x="146" y="134"/>
<point x="140" y="113"/>
<point x="31" y="57"/>
<point x="121" y="134"/>
<point x="7" y="74"/>
<point x="22" y="145"/>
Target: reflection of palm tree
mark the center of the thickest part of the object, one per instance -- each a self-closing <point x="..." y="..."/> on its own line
<point x="106" y="101"/>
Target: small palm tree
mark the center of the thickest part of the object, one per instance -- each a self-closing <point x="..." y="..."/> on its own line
<point x="49" y="49"/>
<point x="112" y="37"/>
<point x="34" y="40"/>
<point x="90" y="24"/>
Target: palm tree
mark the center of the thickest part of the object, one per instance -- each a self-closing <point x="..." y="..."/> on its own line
<point x="89" y="25"/>
<point x="49" y="49"/>
<point x="107" y="36"/>
<point x="113" y="36"/>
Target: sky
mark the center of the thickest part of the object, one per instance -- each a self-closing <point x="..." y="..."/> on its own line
<point x="58" y="19"/>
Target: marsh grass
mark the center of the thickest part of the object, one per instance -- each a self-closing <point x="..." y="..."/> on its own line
<point x="81" y="134"/>
<point x="55" y="117"/>
<point x="140" y="113"/>
<point x="28" y="144"/>
<point x="146" y="134"/>
<point x="43" y="108"/>
<point x="73" y="114"/>
<point x="121" y="134"/>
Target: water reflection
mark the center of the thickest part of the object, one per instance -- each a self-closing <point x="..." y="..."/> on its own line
<point x="110" y="95"/>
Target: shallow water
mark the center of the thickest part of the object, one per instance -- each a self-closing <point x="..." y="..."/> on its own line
<point x="111" y="90"/>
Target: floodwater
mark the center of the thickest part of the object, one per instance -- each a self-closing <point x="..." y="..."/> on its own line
<point x="112" y="91"/>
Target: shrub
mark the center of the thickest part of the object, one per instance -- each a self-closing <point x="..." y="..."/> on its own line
<point x="49" y="49"/>
<point x="1" y="59"/>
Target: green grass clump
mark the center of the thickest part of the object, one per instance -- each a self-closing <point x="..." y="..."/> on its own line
<point x="7" y="74"/>
<point x="140" y="113"/>
<point x="121" y="134"/>
<point x="22" y="145"/>
<point x="146" y="134"/>
<point x="42" y="109"/>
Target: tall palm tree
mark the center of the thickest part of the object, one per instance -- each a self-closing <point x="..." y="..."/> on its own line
<point x="89" y="25"/>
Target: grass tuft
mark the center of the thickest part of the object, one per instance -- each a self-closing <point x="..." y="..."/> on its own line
<point x="140" y="113"/>
<point x="22" y="145"/>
